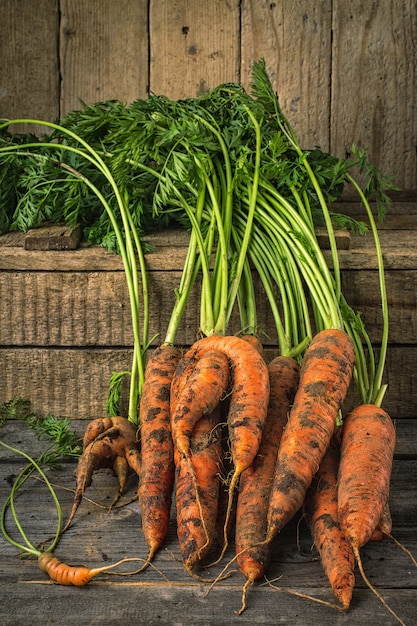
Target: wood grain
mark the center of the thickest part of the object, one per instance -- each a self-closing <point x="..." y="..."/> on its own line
<point x="103" y="51"/>
<point x="194" y="46"/>
<point x="295" y="41"/>
<point x="374" y="77"/>
<point x="29" y="68"/>
<point x="74" y="381"/>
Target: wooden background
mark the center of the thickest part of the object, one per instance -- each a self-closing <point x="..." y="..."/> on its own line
<point x="345" y="71"/>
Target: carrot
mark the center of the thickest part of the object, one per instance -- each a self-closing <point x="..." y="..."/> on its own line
<point x="197" y="490"/>
<point x="325" y="375"/>
<point x="68" y="575"/>
<point x="256" y="481"/>
<point x="111" y="442"/>
<point x="320" y="508"/>
<point x="207" y="379"/>
<point x="157" y="476"/>
<point x="367" y="450"/>
<point x="248" y="403"/>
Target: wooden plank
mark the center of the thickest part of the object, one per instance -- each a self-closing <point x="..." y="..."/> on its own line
<point x="103" y="51"/>
<point x="374" y="74"/>
<point x="399" y="249"/>
<point x="29" y="71"/>
<point x="295" y="41"/>
<point x="53" y="237"/>
<point x="101" y="536"/>
<point x="74" y="382"/>
<point x="92" y="308"/>
<point x="194" y="46"/>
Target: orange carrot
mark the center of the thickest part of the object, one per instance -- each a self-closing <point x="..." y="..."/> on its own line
<point x="115" y="445"/>
<point x="367" y="450"/>
<point x="68" y="575"/>
<point x="320" y="508"/>
<point x="197" y="490"/>
<point x="249" y="396"/>
<point x="325" y="376"/>
<point x="157" y="476"/>
<point x="207" y="380"/>
<point x="256" y="480"/>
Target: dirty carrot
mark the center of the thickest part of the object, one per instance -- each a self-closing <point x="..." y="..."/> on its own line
<point x="367" y="450"/>
<point x="366" y="456"/>
<point x="256" y="481"/>
<point x="320" y="508"/>
<point x="325" y="375"/>
<point x="205" y="386"/>
<point x="248" y="403"/>
<point x="156" y="481"/>
<point x="197" y="490"/>
<point x="115" y="445"/>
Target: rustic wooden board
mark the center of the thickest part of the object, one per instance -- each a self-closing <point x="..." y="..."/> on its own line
<point x="29" y="69"/>
<point x="374" y="74"/>
<point x="295" y="41"/>
<point x="85" y="308"/>
<point x="194" y="46"/>
<point x="168" y="595"/>
<point x="103" y="51"/>
<point x="74" y="381"/>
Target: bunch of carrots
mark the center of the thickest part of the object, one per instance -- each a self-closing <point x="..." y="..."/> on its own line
<point x="242" y="444"/>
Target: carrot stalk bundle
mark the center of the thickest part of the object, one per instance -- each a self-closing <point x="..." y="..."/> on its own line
<point x="256" y="481"/>
<point x="197" y="489"/>
<point x="157" y="475"/>
<point x="325" y="376"/>
<point x="320" y="507"/>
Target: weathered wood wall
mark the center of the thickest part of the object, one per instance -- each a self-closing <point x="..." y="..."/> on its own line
<point x="345" y="71"/>
<point x="65" y="322"/>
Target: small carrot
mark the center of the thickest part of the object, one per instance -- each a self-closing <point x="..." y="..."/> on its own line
<point x="320" y="508"/>
<point x="256" y="481"/>
<point x="248" y="403"/>
<point x="116" y="445"/>
<point x="325" y="375"/>
<point x="69" y="575"/>
<point x="197" y="490"/>
<point x="157" y="475"/>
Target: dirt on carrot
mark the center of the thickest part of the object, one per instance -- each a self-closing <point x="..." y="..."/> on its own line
<point x="156" y="482"/>
<point x="197" y="490"/>
<point x="256" y="481"/>
<point x="325" y="375"/>
<point x="320" y="508"/>
<point x="110" y="442"/>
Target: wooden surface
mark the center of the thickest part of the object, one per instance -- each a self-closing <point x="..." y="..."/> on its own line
<point x="345" y="72"/>
<point x="65" y="322"/>
<point x="169" y="596"/>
